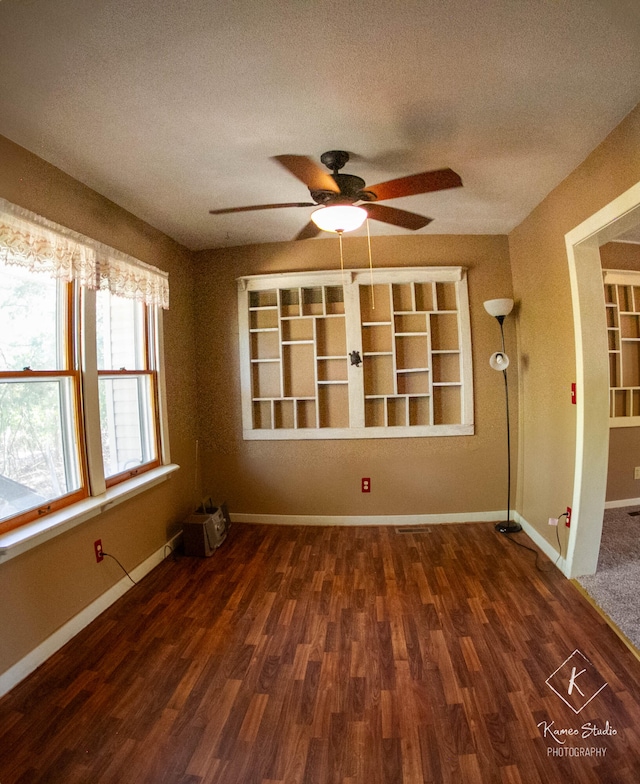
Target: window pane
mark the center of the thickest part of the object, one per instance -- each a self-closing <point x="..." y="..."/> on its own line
<point x="126" y="423"/>
<point x="119" y="333"/>
<point x="38" y="454"/>
<point x="29" y="323"/>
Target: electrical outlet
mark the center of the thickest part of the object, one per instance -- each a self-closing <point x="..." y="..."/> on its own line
<point x="366" y="485"/>
<point x="568" y="517"/>
<point x="97" y="548"/>
<point x="636" y="472"/>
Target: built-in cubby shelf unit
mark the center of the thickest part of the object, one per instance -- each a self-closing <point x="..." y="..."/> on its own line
<point x="622" y="303"/>
<point x="356" y="354"/>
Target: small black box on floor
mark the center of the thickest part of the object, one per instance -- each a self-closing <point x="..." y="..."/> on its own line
<point x="204" y="532"/>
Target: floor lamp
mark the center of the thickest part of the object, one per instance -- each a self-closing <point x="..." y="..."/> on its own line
<point x="499" y="308"/>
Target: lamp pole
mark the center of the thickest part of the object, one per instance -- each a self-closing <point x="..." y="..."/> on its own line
<point x="508" y="527"/>
<point x="500" y="308"/>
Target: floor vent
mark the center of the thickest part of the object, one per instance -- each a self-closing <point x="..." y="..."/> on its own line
<point x="408" y="530"/>
<point x="634" y="514"/>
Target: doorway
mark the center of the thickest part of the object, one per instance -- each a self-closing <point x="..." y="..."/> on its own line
<point x="592" y="375"/>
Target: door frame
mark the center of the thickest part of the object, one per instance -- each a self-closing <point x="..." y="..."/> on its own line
<point x="592" y="375"/>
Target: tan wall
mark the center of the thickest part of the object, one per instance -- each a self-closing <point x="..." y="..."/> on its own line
<point x="545" y="327"/>
<point x="408" y="476"/>
<point x="47" y="586"/>
<point x="624" y="456"/>
<point x="624" y="442"/>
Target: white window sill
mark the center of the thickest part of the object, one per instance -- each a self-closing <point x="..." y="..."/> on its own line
<point x="28" y="536"/>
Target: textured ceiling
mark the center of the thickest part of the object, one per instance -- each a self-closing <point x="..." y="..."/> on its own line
<point x="173" y="108"/>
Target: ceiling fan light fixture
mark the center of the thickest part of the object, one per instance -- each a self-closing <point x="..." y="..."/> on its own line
<point x="339" y="218"/>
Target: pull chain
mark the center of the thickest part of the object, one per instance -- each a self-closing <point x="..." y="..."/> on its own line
<point x="373" y="296"/>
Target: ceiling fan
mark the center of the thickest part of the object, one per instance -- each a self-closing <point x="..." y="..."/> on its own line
<point x="336" y="189"/>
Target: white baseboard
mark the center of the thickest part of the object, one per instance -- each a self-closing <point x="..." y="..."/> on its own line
<point x="547" y="548"/>
<point x="353" y="520"/>
<point x="39" y="655"/>
<point x="622" y="502"/>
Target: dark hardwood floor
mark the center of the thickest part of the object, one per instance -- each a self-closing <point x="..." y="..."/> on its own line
<point x="335" y="655"/>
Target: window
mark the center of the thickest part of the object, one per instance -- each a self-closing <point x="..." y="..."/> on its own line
<point x="79" y="367"/>
<point x="40" y="463"/>
<point x="360" y="354"/>
<point x="126" y="384"/>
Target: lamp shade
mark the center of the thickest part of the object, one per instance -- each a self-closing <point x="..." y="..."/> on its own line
<point x="498" y="307"/>
<point x="499" y="360"/>
<point x="339" y="217"/>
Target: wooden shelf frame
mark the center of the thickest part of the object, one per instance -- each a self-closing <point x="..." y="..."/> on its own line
<point x="410" y="327"/>
<point x="622" y="310"/>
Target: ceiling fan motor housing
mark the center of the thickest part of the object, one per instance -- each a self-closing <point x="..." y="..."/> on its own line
<point x="351" y="190"/>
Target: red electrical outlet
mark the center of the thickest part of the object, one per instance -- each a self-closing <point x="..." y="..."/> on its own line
<point x="568" y="517"/>
<point x="366" y="485"/>
<point x="573" y="393"/>
<point x="97" y="548"/>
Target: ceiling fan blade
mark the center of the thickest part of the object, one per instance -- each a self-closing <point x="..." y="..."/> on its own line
<point x="309" y="231"/>
<point x="426" y="182"/>
<point x="263" y="207"/>
<point x="408" y="220"/>
<point x="308" y="172"/>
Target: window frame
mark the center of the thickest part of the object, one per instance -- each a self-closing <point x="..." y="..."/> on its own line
<point x="79" y="357"/>
<point x="68" y="331"/>
<point x="149" y="372"/>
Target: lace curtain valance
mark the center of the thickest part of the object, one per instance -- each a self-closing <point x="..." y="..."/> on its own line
<point x="31" y="241"/>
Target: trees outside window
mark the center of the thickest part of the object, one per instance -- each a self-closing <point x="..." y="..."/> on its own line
<point x="40" y="459"/>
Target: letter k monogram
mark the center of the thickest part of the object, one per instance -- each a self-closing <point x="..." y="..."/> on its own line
<point x="572" y="681"/>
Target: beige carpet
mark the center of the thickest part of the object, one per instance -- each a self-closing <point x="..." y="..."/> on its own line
<point x="615" y="587"/>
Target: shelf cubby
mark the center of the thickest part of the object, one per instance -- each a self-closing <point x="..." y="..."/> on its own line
<point x="331" y="336"/>
<point x="263" y="318"/>
<point x="413" y="382"/>
<point x="266" y="379"/>
<point x="332" y="370"/>
<point x="333" y="406"/>
<point x="265" y="343"/>
<point x="378" y="374"/>
<point x="446" y="404"/>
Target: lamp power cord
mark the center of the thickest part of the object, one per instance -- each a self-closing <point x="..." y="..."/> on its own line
<point x="537" y="552"/>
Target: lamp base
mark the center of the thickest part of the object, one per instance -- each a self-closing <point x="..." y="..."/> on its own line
<point x="508" y="527"/>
